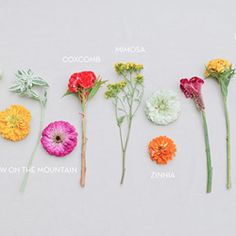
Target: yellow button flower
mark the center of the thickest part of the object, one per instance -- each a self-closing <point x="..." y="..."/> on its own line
<point x="15" y="123"/>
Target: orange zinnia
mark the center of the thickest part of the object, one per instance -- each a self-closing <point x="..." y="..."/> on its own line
<point x="162" y="149"/>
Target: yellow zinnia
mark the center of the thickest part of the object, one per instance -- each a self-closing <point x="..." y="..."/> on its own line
<point x="15" y="123"/>
<point x="217" y="66"/>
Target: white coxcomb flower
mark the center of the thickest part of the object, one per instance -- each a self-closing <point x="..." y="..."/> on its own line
<point x="163" y="107"/>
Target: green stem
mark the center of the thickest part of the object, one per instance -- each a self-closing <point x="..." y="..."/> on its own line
<point x="227" y="142"/>
<point x="130" y="118"/>
<point x="124" y="152"/>
<point x="121" y="141"/>
<point x="26" y="176"/>
<point x="123" y="167"/>
<point x="130" y="95"/>
<point x="208" y="154"/>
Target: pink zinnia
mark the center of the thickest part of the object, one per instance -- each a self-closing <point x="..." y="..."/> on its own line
<point x="59" y="138"/>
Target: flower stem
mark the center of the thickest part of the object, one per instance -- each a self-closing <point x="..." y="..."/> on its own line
<point x="227" y="142"/>
<point x="26" y="176"/>
<point x="208" y="154"/>
<point x="83" y="148"/>
<point x="123" y="166"/>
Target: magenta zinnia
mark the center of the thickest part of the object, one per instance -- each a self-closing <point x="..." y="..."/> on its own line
<point x="192" y="89"/>
<point x="59" y="138"/>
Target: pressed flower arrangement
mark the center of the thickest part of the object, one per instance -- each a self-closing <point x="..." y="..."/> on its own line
<point x="222" y="71"/>
<point x="59" y="138"/>
<point x="163" y="107"/>
<point x="192" y="89"/>
<point x="162" y="149"/>
<point x="84" y="85"/>
<point x="29" y="85"/>
<point x="126" y="96"/>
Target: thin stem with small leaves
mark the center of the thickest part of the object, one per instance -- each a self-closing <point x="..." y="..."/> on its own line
<point x="129" y="114"/>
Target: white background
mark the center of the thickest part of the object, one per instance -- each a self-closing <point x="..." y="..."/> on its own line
<point x="179" y="38"/>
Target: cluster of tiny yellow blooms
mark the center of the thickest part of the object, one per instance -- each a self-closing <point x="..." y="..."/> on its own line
<point x="128" y="67"/>
<point x="114" y="89"/>
<point x="217" y="66"/>
<point x="139" y="79"/>
<point x="15" y="123"/>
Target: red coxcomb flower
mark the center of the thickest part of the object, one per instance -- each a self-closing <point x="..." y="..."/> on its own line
<point x="81" y="80"/>
<point x="192" y="89"/>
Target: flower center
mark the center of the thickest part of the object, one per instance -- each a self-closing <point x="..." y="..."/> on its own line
<point x="13" y="120"/>
<point x="162" y="147"/>
<point x="58" y="138"/>
<point x="162" y="106"/>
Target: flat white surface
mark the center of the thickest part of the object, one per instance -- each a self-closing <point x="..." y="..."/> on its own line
<point x="179" y="37"/>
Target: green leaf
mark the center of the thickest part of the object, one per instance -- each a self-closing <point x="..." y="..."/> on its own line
<point x="95" y="88"/>
<point x="120" y="109"/>
<point x="67" y="93"/>
<point x="23" y="72"/>
<point x="120" y="120"/>
<point x="137" y="100"/>
<point x="224" y="86"/>
<point x="30" y="72"/>
<point x="39" y="82"/>
<point x="15" y="87"/>
<point x="34" y="94"/>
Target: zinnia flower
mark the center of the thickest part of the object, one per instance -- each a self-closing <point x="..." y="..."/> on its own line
<point x="216" y="67"/>
<point x="163" y="107"/>
<point x="15" y="123"/>
<point x="162" y="149"/>
<point x="222" y="71"/>
<point x="81" y="80"/>
<point x="59" y="138"/>
<point x="192" y="89"/>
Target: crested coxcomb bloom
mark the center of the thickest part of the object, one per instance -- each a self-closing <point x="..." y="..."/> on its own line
<point x="84" y="85"/>
<point x="192" y="89"/>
